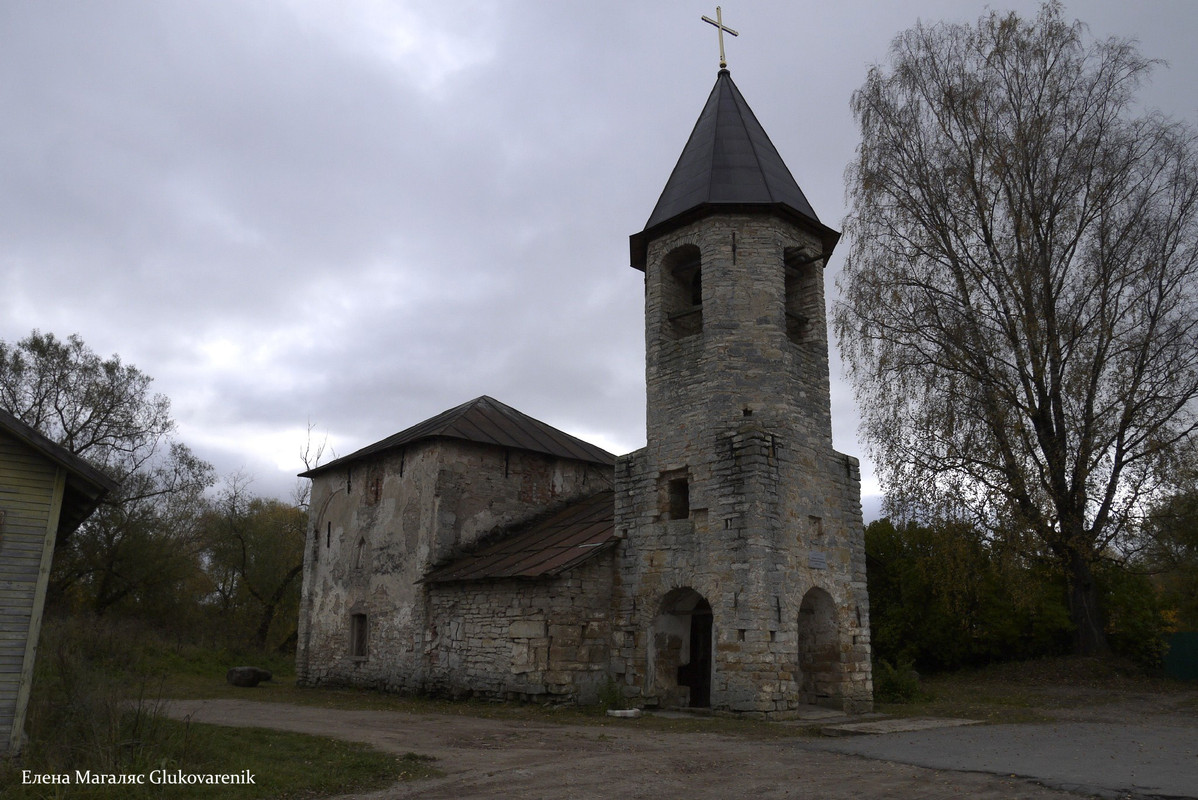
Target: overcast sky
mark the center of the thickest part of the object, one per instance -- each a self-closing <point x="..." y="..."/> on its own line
<point x="360" y="214"/>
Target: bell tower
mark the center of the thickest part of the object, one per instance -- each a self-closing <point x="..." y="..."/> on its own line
<point x="742" y="565"/>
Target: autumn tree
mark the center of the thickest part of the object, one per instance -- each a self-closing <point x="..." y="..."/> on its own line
<point x="99" y="409"/>
<point x="1017" y="307"/>
<point x="1171" y="554"/>
<point x="254" y="552"/>
<point x="945" y="596"/>
<point x="140" y="545"/>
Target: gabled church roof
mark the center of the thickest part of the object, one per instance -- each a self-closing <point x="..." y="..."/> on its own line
<point x="728" y="163"/>
<point x="484" y="420"/>
<point x="544" y="548"/>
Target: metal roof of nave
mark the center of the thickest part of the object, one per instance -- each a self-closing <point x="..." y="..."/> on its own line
<point x="484" y="420"/>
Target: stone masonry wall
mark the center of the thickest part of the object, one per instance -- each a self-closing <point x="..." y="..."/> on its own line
<point x="738" y="407"/>
<point x="376" y="527"/>
<point x="523" y="640"/>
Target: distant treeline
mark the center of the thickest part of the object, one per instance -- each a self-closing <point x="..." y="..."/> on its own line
<point x="945" y="596"/>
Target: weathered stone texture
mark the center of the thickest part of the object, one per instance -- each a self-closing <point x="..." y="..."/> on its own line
<point x="377" y="527"/>
<point x="528" y="640"/>
<point x="739" y="577"/>
<point x="738" y="409"/>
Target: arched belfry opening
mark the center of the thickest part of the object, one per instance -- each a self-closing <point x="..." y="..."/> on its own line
<point x="682" y="649"/>
<point x="819" y="650"/>
<point x="804" y="292"/>
<point x="682" y="291"/>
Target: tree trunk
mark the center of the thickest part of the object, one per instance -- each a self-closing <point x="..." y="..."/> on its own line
<point x="268" y="616"/>
<point x="1085" y="607"/>
<point x="288" y="645"/>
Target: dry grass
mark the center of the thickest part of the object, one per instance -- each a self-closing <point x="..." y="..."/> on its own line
<point x="1016" y="692"/>
<point x="1035" y="691"/>
<point x="96" y="709"/>
<point x="285" y="690"/>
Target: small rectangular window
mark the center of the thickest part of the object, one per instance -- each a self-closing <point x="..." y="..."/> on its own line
<point x="674" y="494"/>
<point x="357" y="635"/>
<point x="680" y="498"/>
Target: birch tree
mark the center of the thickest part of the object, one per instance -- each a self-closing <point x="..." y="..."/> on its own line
<point x="1017" y="308"/>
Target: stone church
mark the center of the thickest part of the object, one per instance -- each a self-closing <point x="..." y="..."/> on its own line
<point x="483" y="552"/>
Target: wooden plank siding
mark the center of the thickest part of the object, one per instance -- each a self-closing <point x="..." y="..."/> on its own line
<point x="31" y="493"/>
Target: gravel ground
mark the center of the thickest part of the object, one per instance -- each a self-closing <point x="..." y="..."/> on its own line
<point x="486" y="758"/>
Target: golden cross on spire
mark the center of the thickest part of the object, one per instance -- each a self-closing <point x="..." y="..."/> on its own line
<point x="719" y="23"/>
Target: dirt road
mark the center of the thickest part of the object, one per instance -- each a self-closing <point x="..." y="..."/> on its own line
<point x="487" y="759"/>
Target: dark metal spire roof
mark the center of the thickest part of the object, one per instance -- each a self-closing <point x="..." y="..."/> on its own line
<point x="729" y="161"/>
<point x="487" y="421"/>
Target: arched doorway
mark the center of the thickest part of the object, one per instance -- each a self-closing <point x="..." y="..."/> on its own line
<point x="682" y="645"/>
<point x="819" y="649"/>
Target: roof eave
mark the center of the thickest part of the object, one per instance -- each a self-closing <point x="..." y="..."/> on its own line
<point x="432" y="576"/>
<point x="639" y="242"/>
<point x="354" y="458"/>
<point x="91" y="480"/>
<point x="86" y="485"/>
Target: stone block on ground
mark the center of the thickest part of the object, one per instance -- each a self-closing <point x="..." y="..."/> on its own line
<point x="247" y="676"/>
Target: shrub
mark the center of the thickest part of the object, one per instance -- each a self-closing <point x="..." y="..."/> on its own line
<point x="896" y="684"/>
<point x="1137" y="622"/>
<point x="93" y="701"/>
<point x="945" y="596"/>
<point x="611" y="696"/>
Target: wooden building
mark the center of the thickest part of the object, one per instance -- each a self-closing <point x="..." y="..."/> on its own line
<point x="45" y="493"/>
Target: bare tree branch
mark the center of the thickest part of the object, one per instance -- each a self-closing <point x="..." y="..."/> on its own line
<point x="1018" y="306"/>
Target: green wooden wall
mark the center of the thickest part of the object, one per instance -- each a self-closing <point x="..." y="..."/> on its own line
<point x="31" y="491"/>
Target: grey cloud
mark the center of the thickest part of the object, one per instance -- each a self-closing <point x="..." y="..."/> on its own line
<point x="383" y="210"/>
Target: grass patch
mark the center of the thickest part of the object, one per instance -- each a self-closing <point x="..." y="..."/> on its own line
<point x="285" y="690"/>
<point x="290" y="765"/>
<point x="959" y="699"/>
<point x="95" y="708"/>
<point x="358" y="699"/>
<point x="1030" y="691"/>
